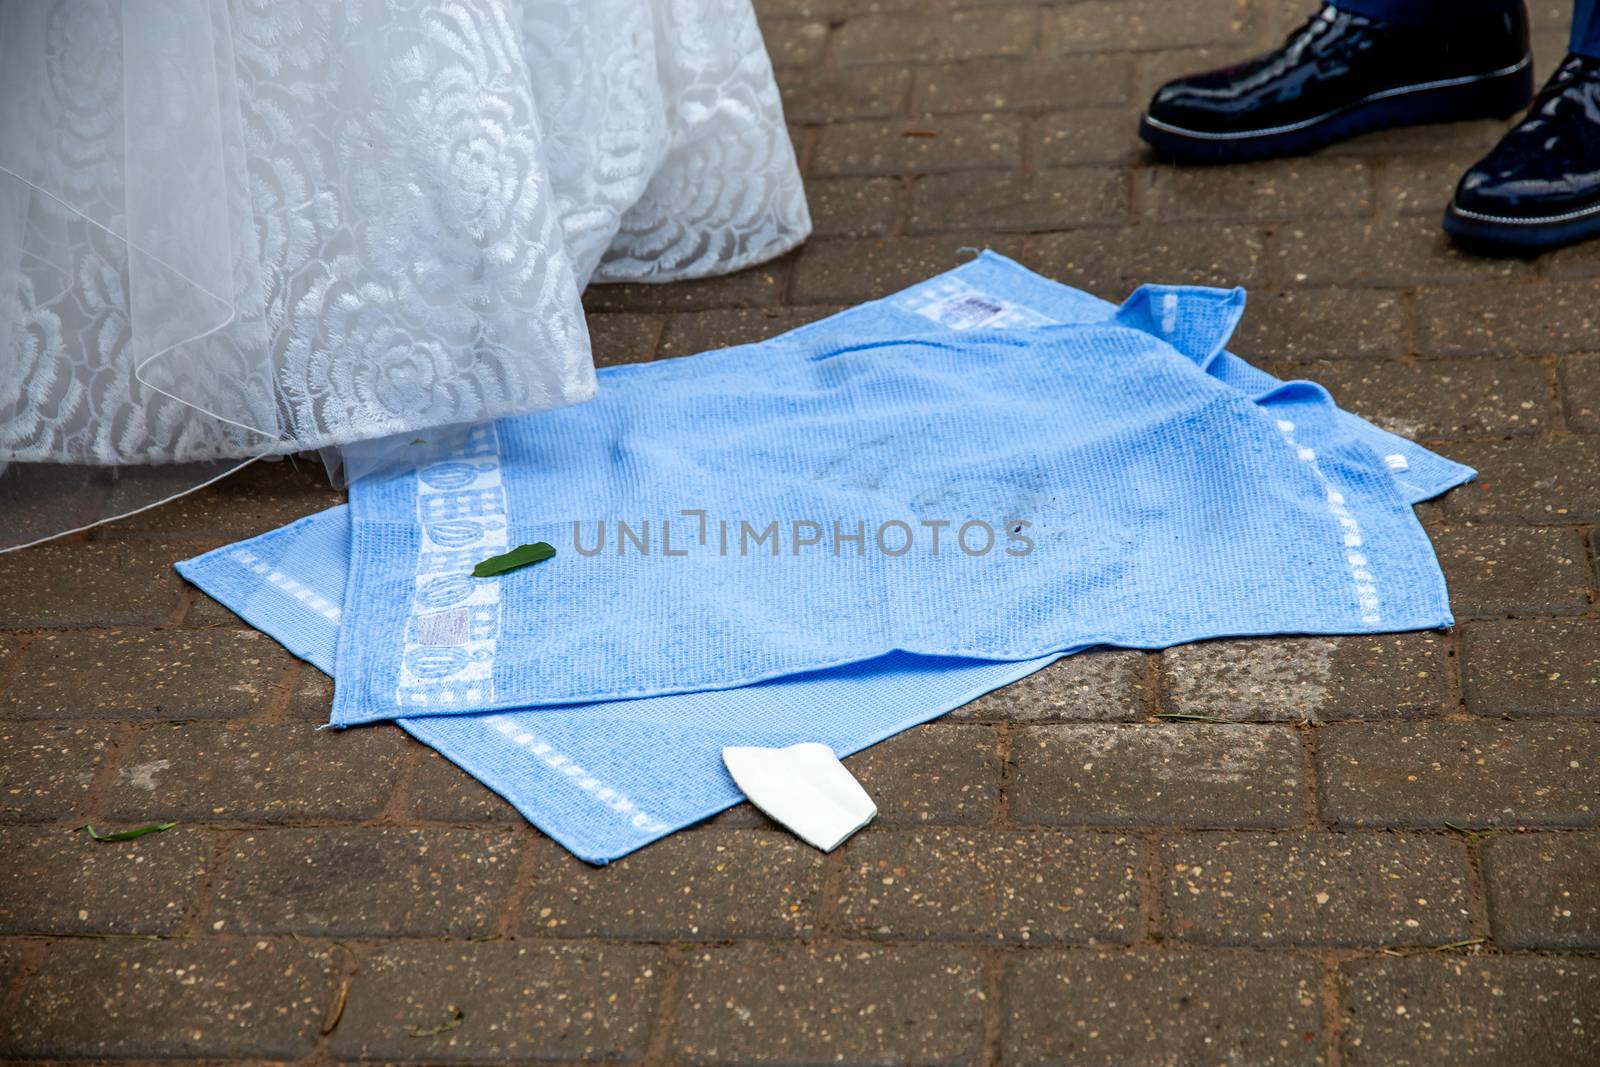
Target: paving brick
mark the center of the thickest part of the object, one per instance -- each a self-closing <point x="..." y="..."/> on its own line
<point x="1106" y="25"/>
<point x="203" y="611"/>
<point x="1405" y="251"/>
<point x="1100" y="685"/>
<point x="1434" y="400"/>
<point x="144" y="674"/>
<point x="766" y="9"/>
<point x="1112" y="262"/>
<point x="756" y="286"/>
<point x="1099" y="135"/>
<point x="1542" y="890"/>
<point x="260" y="496"/>
<point x="256" y="773"/>
<point x="1512" y="570"/>
<point x="1290" y="679"/>
<point x="830" y="94"/>
<point x="60" y="881"/>
<point x="46" y="769"/>
<point x="1508" y="320"/>
<point x="1113" y="1009"/>
<point x="1574" y="261"/>
<point x="1550" y="480"/>
<point x="794" y="42"/>
<point x="312" y="699"/>
<point x="852" y="270"/>
<point x="843" y="1004"/>
<point x="920" y="145"/>
<point x="852" y="207"/>
<point x="1549" y="16"/>
<point x="1580" y="392"/>
<point x="1286" y="189"/>
<point x="1199" y="775"/>
<point x="443" y="792"/>
<point x="1550" y="46"/>
<point x="11" y="967"/>
<point x="1000" y="31"/>
<point x="88" y="584"/>
<point x="701" y="885"/>
<point x="1022" y="84"/>
<point x="624" y="337"/>
<point x="1424" y="184"/>
<point x="1046" y="200"/>
<point x="365" y="881"/>
<point x="692" y="332"/>
<point x="1471" y="1012"/>
<point x="520" y="1003"/>
<point x="1036" y="887"/>
<point x="1533" y="667"/>
<point x="1463" y="773"/>
<point x="936" y="775"/>
<point x="1323" y="323"/>
<point x="1317" y="889"/>
<point x="74" y="498"/>
<point x="120" y="999"/>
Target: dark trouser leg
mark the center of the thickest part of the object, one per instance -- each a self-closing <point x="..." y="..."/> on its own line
<point x="1585" y="15"/>
<point x="1586" y="28"/>
<point x="1427" y="12"/>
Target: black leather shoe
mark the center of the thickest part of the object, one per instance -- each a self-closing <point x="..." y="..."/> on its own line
<point x="1540" y="186"/>
<point x="1340" y="75"/>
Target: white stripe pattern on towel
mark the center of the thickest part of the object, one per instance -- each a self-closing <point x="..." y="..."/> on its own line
<point x="1362" y="580"/>
<point x="283" y="583"/>
<point x="454" y="626"/>
<point x="537" y="746"/>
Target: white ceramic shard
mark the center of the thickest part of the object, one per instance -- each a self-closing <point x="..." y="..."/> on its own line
<point x="805" y="788"/>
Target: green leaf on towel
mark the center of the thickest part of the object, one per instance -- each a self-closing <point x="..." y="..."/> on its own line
<point x="521" y="556"/>
<point x="133" y="834"/>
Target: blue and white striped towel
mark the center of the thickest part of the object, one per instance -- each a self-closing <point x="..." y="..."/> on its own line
<point x="1169" y="492"/>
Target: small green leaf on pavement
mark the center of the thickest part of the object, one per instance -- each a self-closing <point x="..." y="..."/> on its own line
<point x="521" y="556"/>
<point x="442" y="1028"/>
<point x="133" y="834"/>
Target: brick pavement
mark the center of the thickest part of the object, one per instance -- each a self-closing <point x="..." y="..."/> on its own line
<point x="1388" y="854"/>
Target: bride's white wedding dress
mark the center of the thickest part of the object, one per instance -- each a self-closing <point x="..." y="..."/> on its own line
<point x="233" y="228"/>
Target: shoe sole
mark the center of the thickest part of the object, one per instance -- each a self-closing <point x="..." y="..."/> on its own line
<point x="1501" y="234"/>
<point x="1497" y="94"/>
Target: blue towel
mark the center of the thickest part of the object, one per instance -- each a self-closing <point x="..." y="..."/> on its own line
<point x="1128" y="481"/>
<point x="601" y="779"/>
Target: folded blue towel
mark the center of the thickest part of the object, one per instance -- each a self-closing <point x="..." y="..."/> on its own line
<point x="1106" y="476"/>
<point x="602" y="779"/>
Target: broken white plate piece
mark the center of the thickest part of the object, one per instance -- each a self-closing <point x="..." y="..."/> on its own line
<point x="805" y="788"/>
